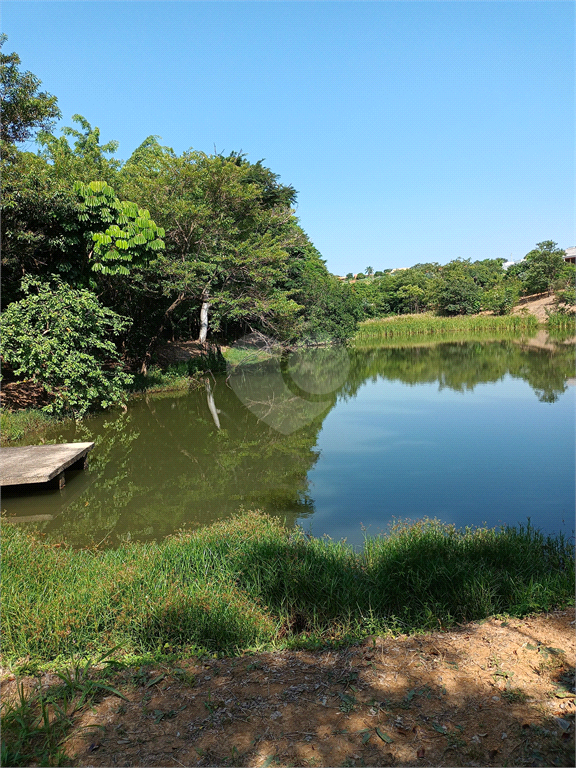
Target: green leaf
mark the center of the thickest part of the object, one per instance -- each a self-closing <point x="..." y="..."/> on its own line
<point x="98" y="186"/>
<point x="154" y="681"/>
<point x="384" y="736"/>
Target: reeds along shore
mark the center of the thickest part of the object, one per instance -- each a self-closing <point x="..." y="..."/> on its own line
<point x="411" y="325"/>
<point x="248" y="583"/>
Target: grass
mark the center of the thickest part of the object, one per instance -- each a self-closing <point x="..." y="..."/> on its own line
<point x="562" y="320"/>
<point x="249" y="583"/>
<point x="16" y="424"/>
<point x="239" y="356"/>
<point x="36" y="725"/>
<point x="373" y="331"/>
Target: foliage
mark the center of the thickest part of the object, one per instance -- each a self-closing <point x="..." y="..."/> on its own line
<point x="61" y="337"/>
<point x="233" y="246"/>
<point x="454" y="290"/>
<point x="25" y="109"/>
<point x="74" y="230"/>
<point x="371" y="331"/>
<point x="41" y="233"/>
<point x="16" y="424"/>
<point x="84" y="161"/>
<point x="330" y="309"/>
<point x="545" y="265"/>
<point x="502" y="297"/>
<point x="130" y="240"/>
<point x="248" y="581"/>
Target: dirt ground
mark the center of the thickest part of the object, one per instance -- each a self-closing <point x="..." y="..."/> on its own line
<point x="536" y="305"/>
<point x="496" y="693"/>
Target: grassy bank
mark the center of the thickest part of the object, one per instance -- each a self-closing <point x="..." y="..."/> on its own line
<point x="15" y="425"/>
<point x="562" y="321"/>
<point x="250" y="583"/>
<point x="421" y="325"/>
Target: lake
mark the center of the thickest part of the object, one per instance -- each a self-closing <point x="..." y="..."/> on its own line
<point x="338" y="441"/>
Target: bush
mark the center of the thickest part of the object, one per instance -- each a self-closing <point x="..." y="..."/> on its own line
<point x="61" y="337"/>
<point x="502" y="298"/>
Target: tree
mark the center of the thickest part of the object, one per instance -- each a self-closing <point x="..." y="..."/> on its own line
<point x="61" y="337"/>
<point x="131" y="237"/>
<point x="545" y="265"/>
<point x="454" y="290"/>
<point x="228" y="238"/>
<point x="75" y="230"/>
<point x="86" y="160"/>
<point x="369" y="271"/>
<point x="412" y="294"/>
<point x="25" y="109"/>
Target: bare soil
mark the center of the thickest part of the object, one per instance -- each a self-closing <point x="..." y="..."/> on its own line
<point x="494" y="693"/>
<point x="539" y="305"/>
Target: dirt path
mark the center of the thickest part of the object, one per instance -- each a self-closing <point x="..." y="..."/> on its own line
<point x="491" y="693"/>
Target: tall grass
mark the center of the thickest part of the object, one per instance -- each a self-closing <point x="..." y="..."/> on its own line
<point x="562" y="321"/>
<point x="421" y="325"/>
<point x="15" y="425"/>
<point x="249" y="582"/>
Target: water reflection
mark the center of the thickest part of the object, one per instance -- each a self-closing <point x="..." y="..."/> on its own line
<point x="251" y="439"/>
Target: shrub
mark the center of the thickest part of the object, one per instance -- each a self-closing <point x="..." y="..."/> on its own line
<point x="61" y="337"/>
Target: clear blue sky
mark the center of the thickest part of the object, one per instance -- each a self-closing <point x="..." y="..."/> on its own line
<point x="413" y="131"/>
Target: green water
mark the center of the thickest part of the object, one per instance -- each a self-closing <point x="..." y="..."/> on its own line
<point x="473" y="432"/>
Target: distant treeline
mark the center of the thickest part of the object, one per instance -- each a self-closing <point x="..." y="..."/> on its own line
<point x="464" y="287"/>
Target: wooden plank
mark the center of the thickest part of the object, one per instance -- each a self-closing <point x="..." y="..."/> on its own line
<point x="40" y="463"/>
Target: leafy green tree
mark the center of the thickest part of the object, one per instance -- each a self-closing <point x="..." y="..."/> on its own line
<point x="369" y="271"/>
<point x="51" y="228"/>
<point x="545" y="265"/>
<point x="41" y="232"/>
<point x="413" y="296"/>
<point x="85" y="160"/>
<point x="330" y="309"/>
<point x="229" y="235"/>
<point x="131" y="238"/>
<point x="502" y="297"/>
<point x="61" y="337"/>
<point x="487" y="273"/>
<point x="454" y="290"/>
<point x="25" y="109"/>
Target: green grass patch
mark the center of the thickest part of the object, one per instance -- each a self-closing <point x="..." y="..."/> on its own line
<point x="15" y="425"/>
<point x="240" y="356"/>
<point x="401" y="326"/>
<point x="249" y="583"/>
<point x="562" y="320"/>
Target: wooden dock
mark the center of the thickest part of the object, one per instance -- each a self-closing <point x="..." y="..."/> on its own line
<point x="42" y="463"/>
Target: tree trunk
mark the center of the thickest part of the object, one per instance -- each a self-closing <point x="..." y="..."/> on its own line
<point x="204" y="319"/>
